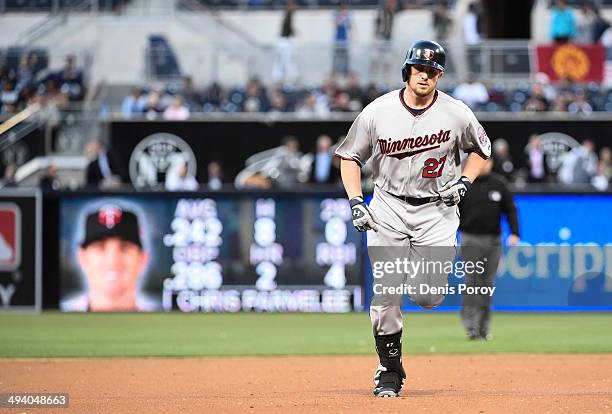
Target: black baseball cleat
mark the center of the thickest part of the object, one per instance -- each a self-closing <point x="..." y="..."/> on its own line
<point x="385" y="392"/>
<point x="472" y="335"/>
<point x="388" y="383"/>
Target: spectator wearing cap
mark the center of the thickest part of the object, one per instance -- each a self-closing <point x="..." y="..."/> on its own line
<point x="112" y="259"/>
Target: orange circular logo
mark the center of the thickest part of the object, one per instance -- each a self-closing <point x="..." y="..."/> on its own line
<point x="571" y="62"/>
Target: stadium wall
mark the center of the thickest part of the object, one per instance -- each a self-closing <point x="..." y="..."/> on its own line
<point x="254" y="134"/>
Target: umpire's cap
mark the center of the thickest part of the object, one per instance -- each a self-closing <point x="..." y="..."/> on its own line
<point x="111" y="221"/>
<point x="426" y="53"/>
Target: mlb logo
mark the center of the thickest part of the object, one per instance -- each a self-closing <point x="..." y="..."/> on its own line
<point x="10" y="236"/>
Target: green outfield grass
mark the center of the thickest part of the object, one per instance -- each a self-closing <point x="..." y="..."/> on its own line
<point x="175" y="334"/>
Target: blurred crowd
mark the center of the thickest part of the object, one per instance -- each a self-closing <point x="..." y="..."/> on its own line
<point x="538" y="96"/>
<point x="349" y="94"/>
<point x="287" y="166"/>
<point x="581" y="165"/>
<point x="585" y="25"/>
<point x="31" y="82"/>
<point x="343" y="91"/>
<point x="177" y="103"/>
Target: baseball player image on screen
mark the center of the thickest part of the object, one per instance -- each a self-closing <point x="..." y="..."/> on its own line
<point x="411" y="138"/>
<point x="112" y="259"/>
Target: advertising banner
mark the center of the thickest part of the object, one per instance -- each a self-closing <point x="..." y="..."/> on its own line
<point x="580" y="63"/>
<point x="563" y="262"/>
<point x="20" y="255"/>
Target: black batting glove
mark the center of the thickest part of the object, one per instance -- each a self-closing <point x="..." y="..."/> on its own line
<point x="363" y="218"/>
<point x="453" y="193"/>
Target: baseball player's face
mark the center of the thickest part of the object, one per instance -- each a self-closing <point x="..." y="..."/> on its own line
<point x="423" y="79"/>
<point x="112" y="266"/>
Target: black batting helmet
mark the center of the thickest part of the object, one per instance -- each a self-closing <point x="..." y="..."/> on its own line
<point x="426" y="53"/>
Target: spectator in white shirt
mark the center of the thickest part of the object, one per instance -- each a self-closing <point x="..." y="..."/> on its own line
<point x="579" y="166"/>
<point x="176" y="111"/>
<point x="536" y="160"/>
<point x="471" y="92"/>
<point x="601" y="181"/>
<point x="215" y="176"/>
<point x="585" y="23"/>
<point x="179" y="179"/>
<point x="471" y="35"/>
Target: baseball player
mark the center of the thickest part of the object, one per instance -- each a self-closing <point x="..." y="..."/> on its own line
<point x="412" y="138"/>
<point x="112" y="259"/>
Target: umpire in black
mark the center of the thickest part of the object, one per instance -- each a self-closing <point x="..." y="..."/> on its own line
<point x="481" y="211"/>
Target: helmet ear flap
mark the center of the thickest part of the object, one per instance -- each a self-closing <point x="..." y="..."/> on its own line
<point x="405" y="69"/>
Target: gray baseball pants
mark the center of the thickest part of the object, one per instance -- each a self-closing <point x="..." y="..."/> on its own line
<point x="476" y="308"/>
<point x="423" y="233"/>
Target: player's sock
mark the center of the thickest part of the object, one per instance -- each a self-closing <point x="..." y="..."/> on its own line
<point x="390" y="372"/>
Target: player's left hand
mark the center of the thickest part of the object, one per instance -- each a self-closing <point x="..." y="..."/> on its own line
<point x="363" y="217"/>
<point x="453" y="193"/>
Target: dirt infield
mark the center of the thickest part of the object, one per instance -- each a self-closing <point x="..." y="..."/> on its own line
<point x="435" y="384"/>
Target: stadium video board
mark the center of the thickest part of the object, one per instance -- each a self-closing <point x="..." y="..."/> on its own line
<point x="563" y="263"/>
<point x="225" y="253"/>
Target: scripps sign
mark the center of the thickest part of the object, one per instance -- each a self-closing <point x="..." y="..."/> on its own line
<point x="578" y="262"/>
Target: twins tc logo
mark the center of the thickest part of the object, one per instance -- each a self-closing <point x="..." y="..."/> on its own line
<point x="428" y="54"/>
<point x="109" y="216"/>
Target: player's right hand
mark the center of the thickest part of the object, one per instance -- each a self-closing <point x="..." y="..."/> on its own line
<point x="363" y="218"/>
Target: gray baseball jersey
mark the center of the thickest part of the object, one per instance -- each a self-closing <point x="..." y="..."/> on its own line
<point x="413" y="154"/>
